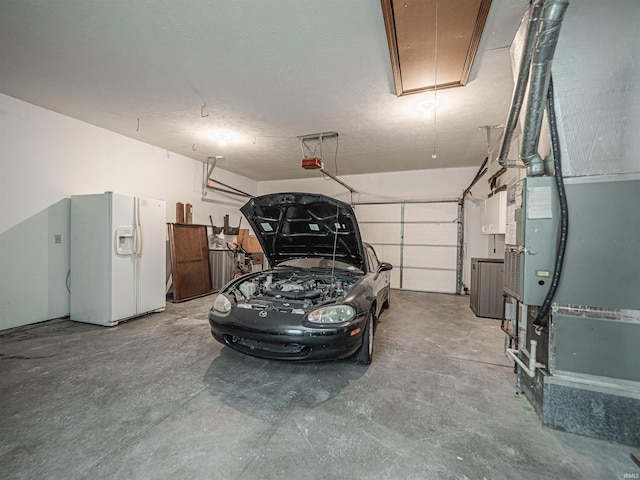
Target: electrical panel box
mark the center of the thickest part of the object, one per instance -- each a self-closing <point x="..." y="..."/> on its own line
<point x="531" y="238"/>
<point x="494" y="214"/>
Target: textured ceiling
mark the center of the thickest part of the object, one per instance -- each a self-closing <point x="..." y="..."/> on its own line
<point x="267" y="73"/>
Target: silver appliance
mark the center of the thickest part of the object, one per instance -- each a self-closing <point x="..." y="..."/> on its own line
<point x="223" y="267"/>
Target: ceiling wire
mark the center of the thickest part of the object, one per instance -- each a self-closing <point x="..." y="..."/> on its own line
<point x="335" y="157"/>
<point x="435" y="88"/>
<point x="335" y="160"/>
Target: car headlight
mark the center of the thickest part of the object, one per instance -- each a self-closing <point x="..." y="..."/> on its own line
<point x="222" y="304"/>
<point x="332" y="314"/>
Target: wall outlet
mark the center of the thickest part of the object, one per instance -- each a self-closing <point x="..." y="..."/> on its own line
<point x="57" y="238"/>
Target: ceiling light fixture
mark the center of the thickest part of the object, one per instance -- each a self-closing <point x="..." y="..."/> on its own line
<point x="222" y="138"/>
<point x="427" y="108"/>
<point x="435" y="87"/>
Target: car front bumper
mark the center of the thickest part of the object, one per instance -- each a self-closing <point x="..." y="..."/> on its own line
<point x="283" y="340"/>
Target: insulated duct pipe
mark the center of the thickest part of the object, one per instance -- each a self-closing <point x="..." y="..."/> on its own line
<point x="552" y="15"/>
<point x="521" y="83"/>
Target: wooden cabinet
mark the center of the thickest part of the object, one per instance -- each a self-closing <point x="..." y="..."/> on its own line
<point x="189" y="261"/>
<point x="249" y="242"/>
<point x="494" y="215"/>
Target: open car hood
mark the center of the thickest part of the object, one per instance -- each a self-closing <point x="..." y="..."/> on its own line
<point x="305" y="225"/>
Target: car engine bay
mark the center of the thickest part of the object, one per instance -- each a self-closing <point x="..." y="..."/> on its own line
<point x="292" y="291"/>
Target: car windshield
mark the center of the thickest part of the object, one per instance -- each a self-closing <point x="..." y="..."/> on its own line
<point x="317" y="263"/>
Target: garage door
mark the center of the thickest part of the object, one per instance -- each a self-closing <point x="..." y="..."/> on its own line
<point x="420" y="240"/>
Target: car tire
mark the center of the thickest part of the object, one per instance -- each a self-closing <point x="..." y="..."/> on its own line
<point x="387" y="302"/>
<point x="365" y="353"/>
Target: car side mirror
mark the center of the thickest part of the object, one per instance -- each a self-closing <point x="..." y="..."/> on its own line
<point x="384" y="266"/>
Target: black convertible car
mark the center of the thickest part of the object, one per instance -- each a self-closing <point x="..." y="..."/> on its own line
<point x="323" y="296"/>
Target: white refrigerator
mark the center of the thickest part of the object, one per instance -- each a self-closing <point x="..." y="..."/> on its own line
<point x="118" y="268"/>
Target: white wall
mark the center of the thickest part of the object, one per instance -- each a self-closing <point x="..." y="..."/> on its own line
<point x="45" y="158"/>
<point x="445" y="183"/>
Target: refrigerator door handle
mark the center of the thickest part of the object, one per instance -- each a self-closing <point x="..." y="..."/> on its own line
<point x="139" y="240"/>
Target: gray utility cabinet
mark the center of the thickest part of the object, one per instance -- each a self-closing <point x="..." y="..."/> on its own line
<point x="487" y="281"/>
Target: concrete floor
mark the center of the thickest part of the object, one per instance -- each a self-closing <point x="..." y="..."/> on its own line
<point x="158" y="398"/>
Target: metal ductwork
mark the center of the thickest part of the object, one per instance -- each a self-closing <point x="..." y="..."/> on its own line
<point x="521" y="83"/>
<point x="539" y="84"/>
<point x="540" y="45"/>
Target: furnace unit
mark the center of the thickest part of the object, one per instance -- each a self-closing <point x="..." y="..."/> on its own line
<point x="530" y="240"/>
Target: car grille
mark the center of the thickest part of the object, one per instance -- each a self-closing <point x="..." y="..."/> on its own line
<point x="271" y="349"/>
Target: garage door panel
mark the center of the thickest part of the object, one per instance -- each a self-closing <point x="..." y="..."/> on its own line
<point x="442" y="281"/>
<point x="430" y="257"/>
<point x="395" y="278"/>
<point x="378" y="213"/>
<point x="430" y="234"/>
<point x="380" y="232"/>
<point x="388" y="253"/>
<point x="431" y="212"/>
